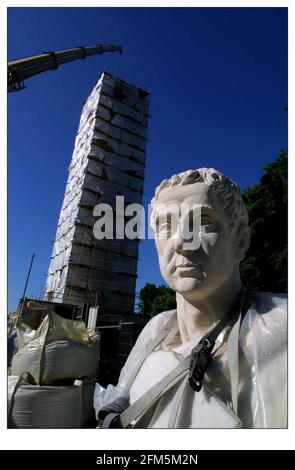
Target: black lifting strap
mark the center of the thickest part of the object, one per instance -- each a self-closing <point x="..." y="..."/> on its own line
<point x="201" y="353"/>
<point x="109" y="415"/>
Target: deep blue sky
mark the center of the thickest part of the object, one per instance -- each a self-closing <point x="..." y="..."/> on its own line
<point x="218" y="83"/>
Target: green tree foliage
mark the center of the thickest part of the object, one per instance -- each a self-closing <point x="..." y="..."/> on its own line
<point x="155" y="299"/>
<point x="265" y="265"/>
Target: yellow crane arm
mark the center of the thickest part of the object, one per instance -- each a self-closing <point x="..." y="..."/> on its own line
<point x="21" y="69"/>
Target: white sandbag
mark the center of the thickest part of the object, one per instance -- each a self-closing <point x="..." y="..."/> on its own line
<point x="45" y="407"/>
<point x="58" y="352"/>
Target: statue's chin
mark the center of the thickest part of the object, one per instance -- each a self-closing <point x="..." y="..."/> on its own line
<point x="185" y="285"/>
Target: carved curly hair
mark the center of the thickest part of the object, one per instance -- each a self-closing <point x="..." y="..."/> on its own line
<point x="228" y="193"/>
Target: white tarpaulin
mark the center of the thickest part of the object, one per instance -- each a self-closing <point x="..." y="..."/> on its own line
<point x="58" y="352"/>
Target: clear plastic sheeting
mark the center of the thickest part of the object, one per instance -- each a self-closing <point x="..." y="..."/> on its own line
<point x="46" y="407"/>
<point x="58" y="352"/>
<point x="264" y="355"/>
<point x="262" y="374"/>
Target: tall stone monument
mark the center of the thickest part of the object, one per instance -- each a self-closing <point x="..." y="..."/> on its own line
<point x="108" y="161"/>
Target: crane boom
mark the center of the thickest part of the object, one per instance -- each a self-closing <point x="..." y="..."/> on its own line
<point x="21" y="69"/>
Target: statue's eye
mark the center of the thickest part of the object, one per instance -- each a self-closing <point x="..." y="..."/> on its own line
<point x="163" y="220"/>
<point x="207" y="221"/>
<point x="196" y="221"/>
<point x="167" y="224"/>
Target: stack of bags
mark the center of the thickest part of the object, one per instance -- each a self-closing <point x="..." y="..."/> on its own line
<point x="53" y="375"/>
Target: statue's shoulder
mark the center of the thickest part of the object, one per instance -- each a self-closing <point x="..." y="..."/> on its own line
<point x="270" y="305"/>
<point x="265" y="322"/>
<point x="156" y="324"/>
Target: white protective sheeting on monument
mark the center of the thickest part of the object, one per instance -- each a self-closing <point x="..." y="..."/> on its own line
<point x="108" y="160"/>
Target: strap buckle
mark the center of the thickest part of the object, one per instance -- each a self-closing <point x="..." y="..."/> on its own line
<point x="201" y="358"/>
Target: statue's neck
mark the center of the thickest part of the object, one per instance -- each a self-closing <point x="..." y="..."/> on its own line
<point x="197" y="316"/>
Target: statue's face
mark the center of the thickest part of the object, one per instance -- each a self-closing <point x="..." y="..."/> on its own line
<point x="195" y="270"/>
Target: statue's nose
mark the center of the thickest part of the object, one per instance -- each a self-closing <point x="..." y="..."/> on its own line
<point x="183" y="244"/>
<point x="186" y="241"/>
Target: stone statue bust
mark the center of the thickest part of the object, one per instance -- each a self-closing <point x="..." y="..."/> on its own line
<point x="202" y="234"/>
<point x="206" y="279"/>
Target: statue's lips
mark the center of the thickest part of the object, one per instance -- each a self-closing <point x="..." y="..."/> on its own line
<point x="189" y="270"/>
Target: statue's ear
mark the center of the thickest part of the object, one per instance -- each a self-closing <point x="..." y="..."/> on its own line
<point x="243" y="241"/>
